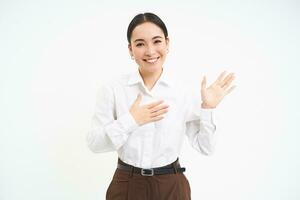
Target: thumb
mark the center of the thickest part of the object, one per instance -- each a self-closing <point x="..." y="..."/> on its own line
<point x="138" y="99"/>
<point x="203" y="83"/>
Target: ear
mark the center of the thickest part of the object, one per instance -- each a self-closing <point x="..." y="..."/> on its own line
<point x="130" y="50"/>
<point x="167" y="41"/>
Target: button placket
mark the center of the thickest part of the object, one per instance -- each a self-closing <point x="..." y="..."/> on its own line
<point x="148" y="147"/>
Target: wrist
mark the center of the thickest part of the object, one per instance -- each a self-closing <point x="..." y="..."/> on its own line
<point x="206" y="106"/>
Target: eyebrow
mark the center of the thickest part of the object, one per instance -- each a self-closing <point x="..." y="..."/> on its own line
<point x="137" y="40"/>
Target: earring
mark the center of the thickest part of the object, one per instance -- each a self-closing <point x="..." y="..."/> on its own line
<point x="167" y="50"/>
<point x="132" y="57"/>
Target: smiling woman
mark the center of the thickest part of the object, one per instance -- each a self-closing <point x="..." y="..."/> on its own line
<point x="147" y="137"/>
<point x="148" y="45"/>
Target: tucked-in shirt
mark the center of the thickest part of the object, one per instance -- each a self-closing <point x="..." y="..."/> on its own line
<point x="153" y="144"/>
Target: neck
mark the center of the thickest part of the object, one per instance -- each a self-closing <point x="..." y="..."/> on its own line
<point x="150" y="78"/>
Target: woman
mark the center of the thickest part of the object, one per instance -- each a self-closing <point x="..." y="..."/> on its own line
<point x="145" y="115"/>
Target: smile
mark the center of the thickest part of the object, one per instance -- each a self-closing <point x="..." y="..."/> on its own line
<point x="151" y="60"/>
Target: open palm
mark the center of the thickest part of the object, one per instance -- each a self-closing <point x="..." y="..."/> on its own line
<point x="214" y="94"/>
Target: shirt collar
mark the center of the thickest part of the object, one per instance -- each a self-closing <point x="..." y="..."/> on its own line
<point x="136" y="77"/>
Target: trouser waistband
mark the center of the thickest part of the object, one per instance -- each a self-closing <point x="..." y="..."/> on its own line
<point x="172" y="168"/>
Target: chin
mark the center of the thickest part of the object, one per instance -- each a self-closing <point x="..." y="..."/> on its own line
<point x="151" y="69"/>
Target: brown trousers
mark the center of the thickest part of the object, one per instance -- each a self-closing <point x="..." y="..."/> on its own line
<point x="131" y="186"/>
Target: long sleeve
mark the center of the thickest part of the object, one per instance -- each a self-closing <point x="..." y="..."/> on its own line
<point x="200" y="127"/>
<point x="108" y="132"/>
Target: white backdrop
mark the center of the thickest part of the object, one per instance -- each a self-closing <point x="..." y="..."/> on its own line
<point x="55" y="54"/>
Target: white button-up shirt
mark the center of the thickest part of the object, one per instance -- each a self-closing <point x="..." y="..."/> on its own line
<point x="154" y="144"/>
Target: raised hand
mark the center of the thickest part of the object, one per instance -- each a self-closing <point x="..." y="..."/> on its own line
<point x="214" y="94"/>
<point x="149" y="112"/>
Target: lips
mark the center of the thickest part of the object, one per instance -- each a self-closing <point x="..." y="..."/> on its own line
<point x="151" y="60"/>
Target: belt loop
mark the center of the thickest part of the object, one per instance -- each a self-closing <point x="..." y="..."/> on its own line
<point x="131" y="171"/>
<point x="175" y="167"/>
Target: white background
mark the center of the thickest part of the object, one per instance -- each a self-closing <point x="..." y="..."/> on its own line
<point x="55" y="54"/>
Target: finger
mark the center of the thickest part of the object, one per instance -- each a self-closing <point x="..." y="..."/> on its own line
<point x="159" y="107"/>
<point x="203" y="83"/>
<point x="220" y="78"/>
<point x="151" y="105"/>
<point x="158" y="113"/>
<point x="227" y="84"/>
<point x="230" y="89"/>
<point x="157" y="118"/>
<point x="227" y="78"/>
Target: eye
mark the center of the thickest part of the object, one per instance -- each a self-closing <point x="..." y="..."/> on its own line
<point x="157" y="41"/>
<point x="139" y="44"/>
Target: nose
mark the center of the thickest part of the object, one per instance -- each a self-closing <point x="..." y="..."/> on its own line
<point x="150" y="50"/>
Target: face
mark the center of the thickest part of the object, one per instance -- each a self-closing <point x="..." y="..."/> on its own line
<point x="149" y="47"/>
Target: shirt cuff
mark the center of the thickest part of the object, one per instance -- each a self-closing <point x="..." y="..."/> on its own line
<point x="206" y="114"/>
<point x="127" y="122"/>
<point x="122" y="126"/>
<point x="119" y="130"/>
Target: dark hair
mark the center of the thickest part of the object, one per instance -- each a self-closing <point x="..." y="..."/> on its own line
<point x="145" y="17"/>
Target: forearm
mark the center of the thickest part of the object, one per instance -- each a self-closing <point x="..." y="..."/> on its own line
<point x="202" y="132"/>
<point x="110" y="137"/>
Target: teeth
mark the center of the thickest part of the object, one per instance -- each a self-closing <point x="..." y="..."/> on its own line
<point x="152" y="60"/>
